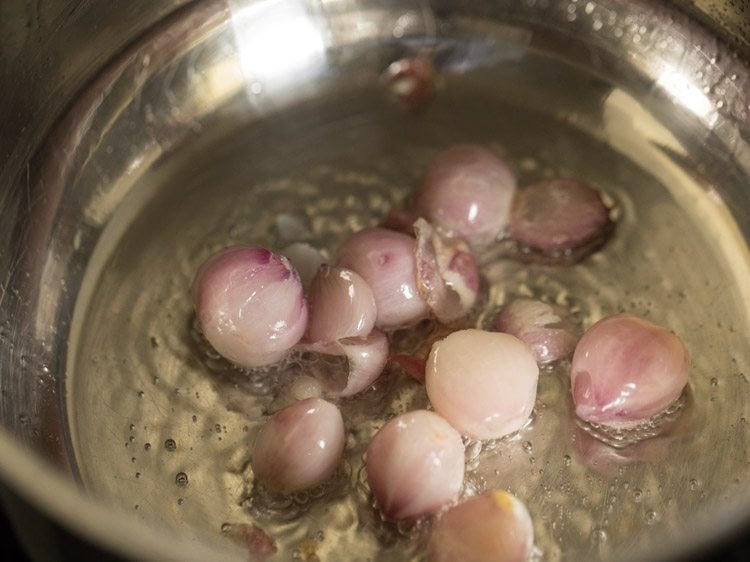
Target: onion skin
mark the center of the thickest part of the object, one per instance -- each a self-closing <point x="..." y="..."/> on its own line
<point x="626" y="369"/>
<point x="250" y="305"/>
<point x="300" y="446"/>
<point x="494" y="526"/>
<point x="540" y="326"/>
<point x="342" y="305"/>
<point x="467" y="192"/>
<point x="415" y="465"/>
<point x="559" y="217"/>
<point x="483" y="383"/>
<point x="385" y="260"/>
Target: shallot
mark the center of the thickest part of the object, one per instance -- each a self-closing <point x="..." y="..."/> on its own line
<point x="494" y="526"/>
<point x="300" y="446"/>
<point x="341" y="305"/>
<point x="447" y="273"/>
<point x="467" y="192"/>
<point x="415" y="465"/>
<point x="559" y="218"/>
<point x="483" y="383"/>
<point x="626" y="369"/>
<point x="541" y="326"/>
<point x="366" y="357"/>
<point x="386" y="261"/>
<point x="250" y="305"/>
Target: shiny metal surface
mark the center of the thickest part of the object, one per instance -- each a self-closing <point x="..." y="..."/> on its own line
<point x="87" y="152"/>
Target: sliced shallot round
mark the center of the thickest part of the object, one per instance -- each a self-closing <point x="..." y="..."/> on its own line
<point x="483" y="383"/>
<point x="341" y="305"/>
<point x="494" y="526"/>
<point x="300" y="446"/>
<point x="250" y="305"/>
<point x="541" y="326"/>
<point x="559" y="216"/>
<point x="385" y="260"/>
<point x="415" y="465"/>
<point x="626" y="369"/>
<point x="467" y="192"/>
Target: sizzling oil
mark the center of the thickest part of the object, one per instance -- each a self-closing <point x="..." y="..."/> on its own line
<point x="163" y="427"/>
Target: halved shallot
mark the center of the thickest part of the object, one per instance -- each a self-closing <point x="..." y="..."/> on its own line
<point x="483" y="383"/>
<point x="250" y="305"/>
<point x="300" y="446"/>
<point x="447" y="273"/>
<point x="541" y="326"/>
<point x="415" y="465"/>
<point x="385" y="260"/>
<point x="467" y="192"/>
<point x="626" y="369"/>
<point x="493" y="526"/>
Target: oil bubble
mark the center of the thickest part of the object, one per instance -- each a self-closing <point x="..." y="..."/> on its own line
<point x="181" y="479"/>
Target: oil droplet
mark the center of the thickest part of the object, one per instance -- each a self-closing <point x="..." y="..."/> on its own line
<point x="195" y="419"/>
<point x="527" y="446"/>
<point x="141" y="394"/>
<point x="147" y="446"/>
<point x="651" y="517"/>
<point x="637" y="495"/>
<point x="226" y="527"/>
<point x="132" y="427"/>
<point x="217" y="428"/>
<point x="132" y="459"/>
<point x="714" y="381"/>
<point x="694" y="484"/>
<point x="137" y="474"/>
<point x="181" y="479"/>
<point x="136" y="506"/>
<point x="180" y="501"/>
<point x="567" y="460"/>
<point x="170" y="445"/>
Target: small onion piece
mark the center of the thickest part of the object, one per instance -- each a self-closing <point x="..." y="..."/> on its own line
<point x="483" y="383"/>
<point x="467" y="192"/>
<point x="559" y="217"/>
<point x="258" y="542"/>
<point x="626" y="369"/>
<point x="411" y="81"/>
<point x="415" y="465"/>
<point x="250" y="305"/>
<point x="447" y="273"/>
<point x="494" y="526"/>
<point x="385" y="260"/>
<point x="541" y="326"/>
<point x="300" y="446"/>
<point x="341" y="305"/>
<point x="366" y="359"/>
